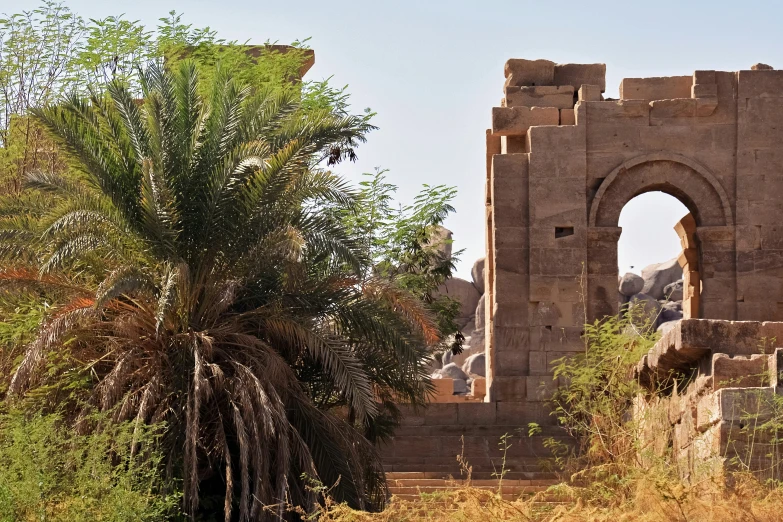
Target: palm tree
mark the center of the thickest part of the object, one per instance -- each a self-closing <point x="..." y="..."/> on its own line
<point x="226" y="300"/>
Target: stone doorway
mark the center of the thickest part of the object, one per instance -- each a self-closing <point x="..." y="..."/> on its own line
<point x="658" y="261"/>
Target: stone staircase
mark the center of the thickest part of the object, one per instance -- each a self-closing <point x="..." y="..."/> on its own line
<point x="411" y="485"/>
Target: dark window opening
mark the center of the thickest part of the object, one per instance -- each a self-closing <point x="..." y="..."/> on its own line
<point x="564" y="231"/>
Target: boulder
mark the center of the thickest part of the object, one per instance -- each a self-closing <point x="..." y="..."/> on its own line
<point x="477" y="273"/>
<point x="671" y="311"/>
<point x="665" y="327"/>
<point x="460" y="386"/>
<point x="672" y="305"/>
<point x="452" y="371"/>
<point x="464" y="292"/>
<point x="446" y="357"/>
<point x="441" y="239"/>
<point x="631" y="284"/>
<point x="644" y="310"/>
<point x="478" y="318"/>
<point x="475" y="365"/>
<point x="476" y="342"/>
<point x="673" y="291"/>
<point x="656" y="277"/>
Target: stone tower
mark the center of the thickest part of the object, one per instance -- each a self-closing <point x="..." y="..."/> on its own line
<point x="562" y="162"/>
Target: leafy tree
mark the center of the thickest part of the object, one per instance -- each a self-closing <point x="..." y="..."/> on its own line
<point x="405" y="244"/>
<point x="230" y="301"/>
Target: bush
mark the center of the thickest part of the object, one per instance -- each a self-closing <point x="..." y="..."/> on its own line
<point x="50" y="472"/>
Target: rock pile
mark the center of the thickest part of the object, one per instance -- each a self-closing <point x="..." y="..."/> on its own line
<point x="471" y="363"/>
<point x="656" y="295"/>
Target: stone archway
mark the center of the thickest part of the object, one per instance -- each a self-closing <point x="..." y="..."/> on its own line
<point x="675" y="174"/>
<point x="711" y="227"/>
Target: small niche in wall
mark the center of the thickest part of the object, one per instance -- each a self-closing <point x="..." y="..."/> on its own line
<point x="563" y="232"/>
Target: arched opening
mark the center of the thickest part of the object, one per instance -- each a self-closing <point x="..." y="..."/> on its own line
<point x="653" y="272"/>
<point x="708" y="249"/>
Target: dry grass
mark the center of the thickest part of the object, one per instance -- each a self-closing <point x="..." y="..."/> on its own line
<point x="645" y="497"/>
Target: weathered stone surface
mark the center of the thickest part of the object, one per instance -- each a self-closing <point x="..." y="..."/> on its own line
<point x="464" y="292"/>
<point x="519" y="72"/>
<point x="644" y="310"/>
<point x="478" y="388"/>
<point x="761" y="67"/>
<point x="477" y="274"/>
<point x="442" y="240"/>
<point x="460" y="386"/>
<point x="631" y="284"/>
<point x="657" y="276"/>
<point x="452" y="371"/>
<point x="661" y="88"/>
<point x="479" y="317"/>
<point x="673" y="291"/>
<point x="671" y="311"/>
<point x="740" y="371"/>
<point x="567" y="117"/>
<point x="475" y="365"/>
<point x="561" y="97"/>
<point x="515" y="121"/>
<point x="590" y="93"/>
<point x="578" y="74"/>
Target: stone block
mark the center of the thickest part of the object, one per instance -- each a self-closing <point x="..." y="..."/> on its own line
<point x="540" y="96"/>
<point x="520" y="72"/>
<point x="660" y="88"/>
<point x="478" y="387"/>
<point x="740" y="371"/>
<point x="578" y="74"/>
<point x="664" y="111"/>
<point x="514" y="166"/>
<point x="508" y="389"/>
<point x="440" y="414"/>
<point x="514" y="362"/>
<point x="540" y="388"/>
<point x="515" y="121"/>
<point x="557" y="141"/>
<point x="538" y="363"/>
<point x="567" y="117"/>
<point x="622" y="112"/>
<point x="704" y="77"/>
<point x="475" y="414"/>
<point x="760" y="84"/>
<point x="702" y="90"/>
<point x="590" y="93"/>
<point x="512" y="144"/>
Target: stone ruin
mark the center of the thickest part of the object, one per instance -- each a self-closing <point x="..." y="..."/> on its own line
<point x="561" y="163"/>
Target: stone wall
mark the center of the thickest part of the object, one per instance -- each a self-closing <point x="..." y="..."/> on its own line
<point x="561" y="164"/>
<point x="714" y="402"/>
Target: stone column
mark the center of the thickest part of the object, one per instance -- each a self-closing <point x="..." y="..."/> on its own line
<point x="717" y="264"/>
<point x="508" y="342"/>
<point x="602" y="298"/>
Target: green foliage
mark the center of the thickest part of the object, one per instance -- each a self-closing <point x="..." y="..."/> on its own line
<point x="48" y="471"/>
<point x="50" y="52"/>
<point x="404" y="244"/>
<point x="203" y="279"/>
<point x="599" y="389"/>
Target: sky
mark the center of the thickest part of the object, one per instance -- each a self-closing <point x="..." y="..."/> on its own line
<point x="432" y="70"/>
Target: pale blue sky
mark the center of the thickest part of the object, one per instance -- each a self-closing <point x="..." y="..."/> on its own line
<point x="433" y="70"/>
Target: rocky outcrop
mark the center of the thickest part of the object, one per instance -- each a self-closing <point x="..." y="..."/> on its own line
<point x="673" y="291"/>
<point x="658" y="276"/>
<point x="464" y="292"/>
<point x="477" y="274"/>
<point x="475" y="365"/>
<point x="631" y="284"/>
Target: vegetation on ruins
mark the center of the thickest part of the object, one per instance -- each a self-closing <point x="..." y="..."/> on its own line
<point x="186" y="288"/>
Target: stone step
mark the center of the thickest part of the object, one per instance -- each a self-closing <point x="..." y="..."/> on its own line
<point x="450" y="483"/>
